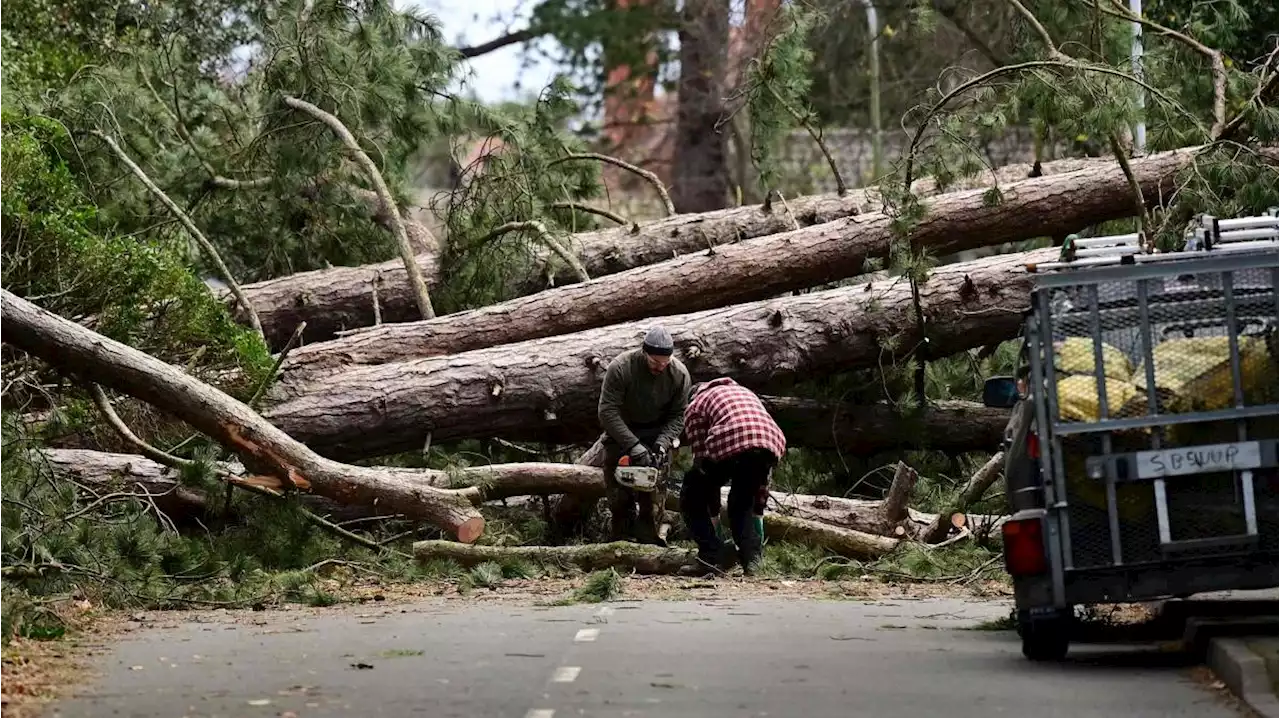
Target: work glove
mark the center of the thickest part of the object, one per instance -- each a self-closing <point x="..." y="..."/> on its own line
<point x="640" y="455"/>
<point x="661" y="451"/>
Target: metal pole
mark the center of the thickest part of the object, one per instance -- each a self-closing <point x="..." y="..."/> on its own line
<point x="877" y="134"/>
<point x="1139" y="130"/>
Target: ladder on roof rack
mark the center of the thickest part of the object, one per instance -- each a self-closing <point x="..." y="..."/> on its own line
<point x="1212" y="235"/>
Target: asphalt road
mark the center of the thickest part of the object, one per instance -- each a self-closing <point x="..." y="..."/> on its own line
<point x="709" y="658"/>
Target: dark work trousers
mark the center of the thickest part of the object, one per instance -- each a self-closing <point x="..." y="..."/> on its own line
<point x="624" y="520"/>
<point x="747" y="474"/>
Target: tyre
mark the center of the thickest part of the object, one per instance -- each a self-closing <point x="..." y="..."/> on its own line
<point x="1045" y="639"/>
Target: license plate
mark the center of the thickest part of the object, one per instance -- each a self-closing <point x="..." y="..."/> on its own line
<point x="1199" y="459"/>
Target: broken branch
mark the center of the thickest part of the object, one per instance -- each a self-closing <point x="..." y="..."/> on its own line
<point x="650" y="177"/>
<point x="189" y="225"/>
<point x="384" y="195"/>
<point x="548" y="239"/>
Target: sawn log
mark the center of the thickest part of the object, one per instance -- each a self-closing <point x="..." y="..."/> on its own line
<point x="513" y="389"/>
<point x="756" y="269"/>
<point x="331" y="300"/>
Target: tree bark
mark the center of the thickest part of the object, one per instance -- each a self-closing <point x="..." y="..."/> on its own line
<point x="513" y="389"/>
<point x="151" y="480"/>
<point x="948" y="426"/>
<point x="701" y="171"/>
<point x="341" y="298"/>
<point x="754" y="269"/>
<point x="640" y="558"/>
<point x="846" y="542"/>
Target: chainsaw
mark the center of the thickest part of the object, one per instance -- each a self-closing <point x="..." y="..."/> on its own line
<point x="650" y="480"/>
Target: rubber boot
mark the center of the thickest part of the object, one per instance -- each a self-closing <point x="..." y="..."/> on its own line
<point x="728" y="554"/>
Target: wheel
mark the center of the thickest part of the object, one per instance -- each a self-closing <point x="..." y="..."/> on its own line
<point x="1045" y="639"/>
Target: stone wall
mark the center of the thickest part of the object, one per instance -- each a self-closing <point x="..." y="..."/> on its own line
<point x="804" y="170"/>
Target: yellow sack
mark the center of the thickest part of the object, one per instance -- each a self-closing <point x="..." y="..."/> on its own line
<point x="1194" y="374"/>
<point x="1078" y="398"/>
<point x="1074" y="355"/>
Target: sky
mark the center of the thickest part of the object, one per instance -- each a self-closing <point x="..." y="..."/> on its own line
<point x="499" y="75"/>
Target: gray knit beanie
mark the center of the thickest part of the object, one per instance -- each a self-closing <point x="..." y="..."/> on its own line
<point x="658" y="342"/>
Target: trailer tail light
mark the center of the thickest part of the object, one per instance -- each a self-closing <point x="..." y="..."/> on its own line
<point x="1024" y="553"/>
<point x="1033" y="445"/>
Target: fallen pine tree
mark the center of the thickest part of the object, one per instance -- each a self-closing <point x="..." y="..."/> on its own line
<point x="274" y="461"/>
<point x="513" y="389"/>
<point x="758" y="268"/>
<point x="857" y="528"/>
<point x="344" y="298"/>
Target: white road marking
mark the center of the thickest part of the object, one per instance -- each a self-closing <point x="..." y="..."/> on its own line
<point x="586" y="635"/>
<point x="540" y="713"/>
<point x="566" y="674"/>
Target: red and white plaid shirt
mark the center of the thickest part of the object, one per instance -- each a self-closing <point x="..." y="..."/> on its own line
<point x="726" y="419"/>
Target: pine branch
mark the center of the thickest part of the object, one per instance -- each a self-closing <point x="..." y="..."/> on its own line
<point x="1267" y="84"/>
<point x="547" y="238"/>
<point x="384" y="194"/>
<point x="191" y="228"/>
<point x="1140" y="204"/>
<point x="1219" y="67"/>
<point x="581" y="207"/>
<point x="841" y="189"/>
<point x="1069" y="64"/>
<point x="650" y="177"/>
<point x="109" y="413"/>
<point x="289" y="346"/>
<point x="180" y="126"/>
<point x="1036" y="25"/>
<point x="511" y="38"/>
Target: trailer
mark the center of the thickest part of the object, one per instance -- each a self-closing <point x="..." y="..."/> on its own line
<point x="1141" y="452"/>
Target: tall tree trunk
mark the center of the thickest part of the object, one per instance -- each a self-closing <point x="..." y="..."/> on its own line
<point x="377" y="410"/>
<point x="749" y="270"/>
<point x="701" y="171"/>
<point x="342" y="298"/>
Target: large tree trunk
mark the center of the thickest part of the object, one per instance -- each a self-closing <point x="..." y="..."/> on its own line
<point x="755" y="269"/>
<point x="947" y="426"/>
<point x="342" y="298"/>
<point x="377" y="410"/>
<point x="700" y="172"/>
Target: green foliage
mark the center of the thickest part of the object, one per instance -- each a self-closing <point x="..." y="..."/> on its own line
<point x="58" y="539"/>
<point x="600" y="586"/>
<point x="777" y="90"/>
<point x="139" y="291"/>
<point x="595" y="36"/>
<point x="523" y="172"/>
<point x="486" y="575"/>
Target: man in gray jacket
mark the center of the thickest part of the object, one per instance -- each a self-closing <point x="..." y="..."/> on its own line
<point x="642" y="411"/>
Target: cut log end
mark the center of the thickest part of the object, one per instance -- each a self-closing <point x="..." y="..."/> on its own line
<point x="470" y="530"/>
<point x="958" y="520"/>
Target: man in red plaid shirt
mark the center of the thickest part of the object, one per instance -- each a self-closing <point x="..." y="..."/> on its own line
<point x="734" y="441"/>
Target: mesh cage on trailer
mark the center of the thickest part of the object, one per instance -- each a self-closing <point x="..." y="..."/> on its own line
<point x="1159" y="383"/>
